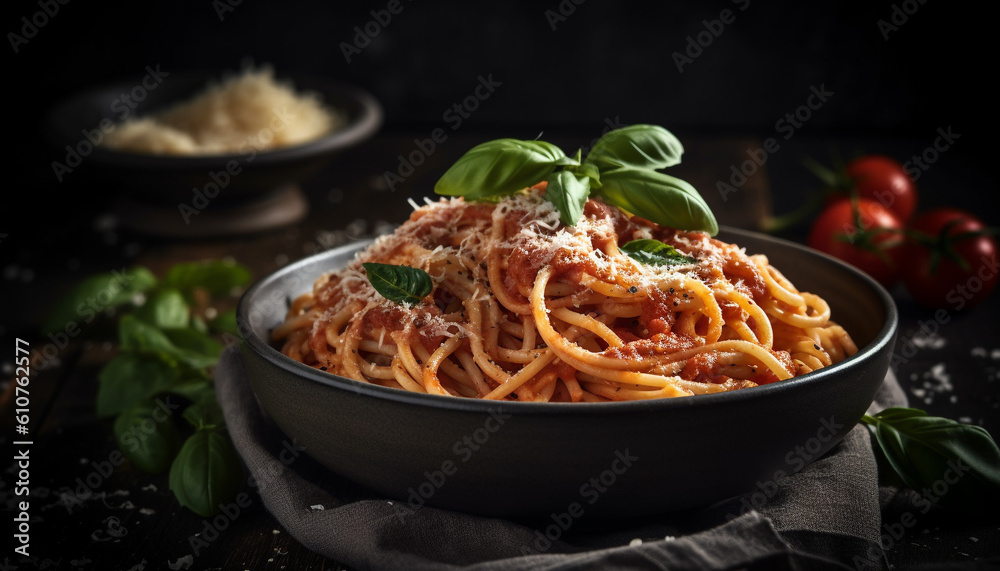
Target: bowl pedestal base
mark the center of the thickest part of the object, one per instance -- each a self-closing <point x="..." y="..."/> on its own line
<point x="282" y="207"/>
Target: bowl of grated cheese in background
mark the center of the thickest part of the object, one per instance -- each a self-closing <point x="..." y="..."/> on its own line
<point x="198" y="153"/>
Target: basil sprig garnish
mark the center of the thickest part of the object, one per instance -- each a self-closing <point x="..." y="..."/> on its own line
<point x="953" y="464"/>
<point x="622" y="169"/>
<point x="656" y="253"/>
<point x="568" y="191"/>
<point x="401" y="284"/>
<point x="640" y="146"/>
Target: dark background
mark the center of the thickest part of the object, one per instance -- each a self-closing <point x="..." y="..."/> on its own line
<point x="606" y="60"/>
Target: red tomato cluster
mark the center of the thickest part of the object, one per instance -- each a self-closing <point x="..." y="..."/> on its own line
<point x="944" y="257"/>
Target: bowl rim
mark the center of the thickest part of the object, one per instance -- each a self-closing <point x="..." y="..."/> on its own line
<point x="885" y="336"/>
<point x="366" y="122"/>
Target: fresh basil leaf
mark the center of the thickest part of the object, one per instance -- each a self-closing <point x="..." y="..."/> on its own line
<point x="657" y="197"/>
<point x="139" y="336"/>
<point x="95" y="294"/>
<point x="656" y="253"/>
<point x="207" y="472"/>
<point x="492" y="170"/>
<point x="218" y="277"/>
<point x="147" y="435"/>
<point x="957" y="465"/>
<point x="590" y="171"/>
<point x="198" y="324"/>
<point x="195" y="390"/>
<point x="401" y="284"/>
<point x="225" y="322"/>
<point x="573" y="161"/>
<point x="204" y="414"/>
<point x="640" y="146"/>
<point x="166" y="309"/>
<point x="568" y="192"/>
<point x="131" y="378"/>
<point x="195" y="342"/>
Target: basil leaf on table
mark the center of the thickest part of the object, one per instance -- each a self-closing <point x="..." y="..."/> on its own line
<point x="165" y="309"/>
<point x="224" y="322"/>
<point x="206" y="472"/>
<point x="204" y="414"/>
<point x="196" y="342"/>
<point x="657" y="197"/>
<point x="147" y="435"/>
<point x="218" y="277"/>
<point x="656" y="253"/>
<point x="138" y="335"/>
<point x="96" y="294"/>
<point x="165" y="355"/>
<point x="955" y="464"/>
<point x="568" y="192"/>
<point x="131" y="378"/>
<point x="501" y="167"/>
<point x="640" y="146"/>
<point x="198" y="324"/>
<point x="195" y="390"/>
<point x="401" y="284"/>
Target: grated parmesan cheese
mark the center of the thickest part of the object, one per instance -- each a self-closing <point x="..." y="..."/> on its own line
<point x="245" y="113"/>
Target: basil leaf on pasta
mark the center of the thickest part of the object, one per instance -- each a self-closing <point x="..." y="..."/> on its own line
<point x="622" y="167"/>
<point x="568" y="192"/>
<point x="640" y="146"/>
<point x="590" y="171"/>
<point x="657" y="197"/>
<point x="656" y="253"/>
<point x="401" y="284"/>
<point x="501" y="167"/>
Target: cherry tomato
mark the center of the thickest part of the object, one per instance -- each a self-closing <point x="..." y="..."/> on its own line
<point x="868" y="246"/>
<point x="884" y="180"/>
<point x="932" y="272"/>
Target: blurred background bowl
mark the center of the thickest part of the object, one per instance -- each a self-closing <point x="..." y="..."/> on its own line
<point x="152" y="186"/>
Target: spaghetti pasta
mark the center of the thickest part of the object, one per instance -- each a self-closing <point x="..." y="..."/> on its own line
<point x="525" y="308"/>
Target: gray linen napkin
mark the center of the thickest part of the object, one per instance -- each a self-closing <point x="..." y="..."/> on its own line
<point x="826" y="516"/>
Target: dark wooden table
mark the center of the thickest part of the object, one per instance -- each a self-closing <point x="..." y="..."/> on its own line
<point x="130" y="520"/>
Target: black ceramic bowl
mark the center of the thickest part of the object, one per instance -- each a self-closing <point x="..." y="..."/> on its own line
<point x="75" y="124"/>
<point x="536" y="459"/>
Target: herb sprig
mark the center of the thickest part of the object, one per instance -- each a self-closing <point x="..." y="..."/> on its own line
<point x="956" y="464"/>
<point x="622" y="168"/>
<point x="656" y="253"/>
<point x="401" y="284"/>
<point x="158" y="390"/>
